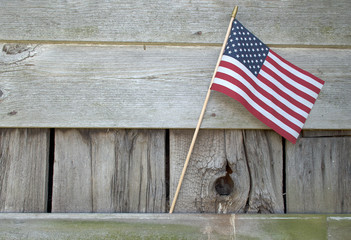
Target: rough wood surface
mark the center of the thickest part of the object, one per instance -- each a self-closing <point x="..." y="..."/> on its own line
<point x="24" y="155"/>
<point x="109" y="171"/>
<point x="174" y="226"/>
<point x="197" y="21"/>
<point x="229" y="171"/>
<point x="153" y="87"/>
<point x="318" y="175"/>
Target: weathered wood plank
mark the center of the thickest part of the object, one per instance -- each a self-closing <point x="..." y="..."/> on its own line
<point x="174" y="226"/>
<point x="318" y="175"/>
<point x="109" y="171"/>
<point x="197" y="21"/>
<point x="24" y="155"/>
<point x="154" y="87"/>
<point x="229" y="171"/>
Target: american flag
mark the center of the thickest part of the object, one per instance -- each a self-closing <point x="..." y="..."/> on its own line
<point x="275" y="91"/>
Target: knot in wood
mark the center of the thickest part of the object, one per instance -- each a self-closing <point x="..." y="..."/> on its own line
<point x="14" y="48"/>
<point x="224" y="185"/>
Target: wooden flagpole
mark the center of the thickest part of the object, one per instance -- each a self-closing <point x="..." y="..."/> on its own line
<point x="202" y="113"/>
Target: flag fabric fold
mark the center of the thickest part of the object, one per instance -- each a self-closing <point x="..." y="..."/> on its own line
<point x="275" y="91"/>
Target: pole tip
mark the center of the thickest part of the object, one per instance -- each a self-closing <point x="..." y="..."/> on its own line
<point x="235" y="10"/>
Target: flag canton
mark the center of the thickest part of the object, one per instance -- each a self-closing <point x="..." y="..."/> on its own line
<point x="246" y="48"/>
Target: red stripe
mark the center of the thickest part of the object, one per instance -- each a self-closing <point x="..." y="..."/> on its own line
<point x="257" y="100"/>
<point x="254" y="112"/>
<point x="268" y="95"/>
<point x="297" y="68"/>
<point x="284" y="94"/>
<point x="293" y="76"/>
<point x="287" y="85"/>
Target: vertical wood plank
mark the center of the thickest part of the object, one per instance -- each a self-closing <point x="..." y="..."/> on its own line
<point x="119" y="171"/>
<point x="24" y="155"/>
<point x="264" y="152"/>
<point x="319" y="175"/>
<point x="230" y="171"/>
<point x="72" y="180"/>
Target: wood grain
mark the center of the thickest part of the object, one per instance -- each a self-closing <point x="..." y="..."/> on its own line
<point x="229" y="171"/>
<point x="24" y="155"/>
<point x="197" y="21"/>
<point x="109" y="171"/>
<point x="156" y="87"/>
<point x="318" y="175"/>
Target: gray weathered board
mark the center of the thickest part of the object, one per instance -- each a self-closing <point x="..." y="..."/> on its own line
<point x="147" y="87"/>
<point x="109" y="171"/>
<point x="176" y="226"/>
<point x="148" y="64"/>
<point x="291" y="22"/>
<point x="24" y="155"/>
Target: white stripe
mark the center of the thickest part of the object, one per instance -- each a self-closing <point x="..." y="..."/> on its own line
<point x="296" y="72"/>
<point x="271" y="91"/>
<point x="260" y="96"/>
<point x="290" y="81"/>
<point x="286" y="90"/>
<point x="256" y="106"/>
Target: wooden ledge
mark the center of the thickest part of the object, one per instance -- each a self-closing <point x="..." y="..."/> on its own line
<point x="173" y="226"/>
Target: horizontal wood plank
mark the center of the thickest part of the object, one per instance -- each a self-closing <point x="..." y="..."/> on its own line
<point x="197" y="21"/>
<point x="108" y="86"/>
<point x="175" y="226"/>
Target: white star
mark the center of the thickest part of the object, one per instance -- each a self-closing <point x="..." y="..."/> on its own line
<point x="255" y="72"/>
<point x="235" y="22"/>
<point x="237" y="56"/>
<point x="230" y="52"/>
